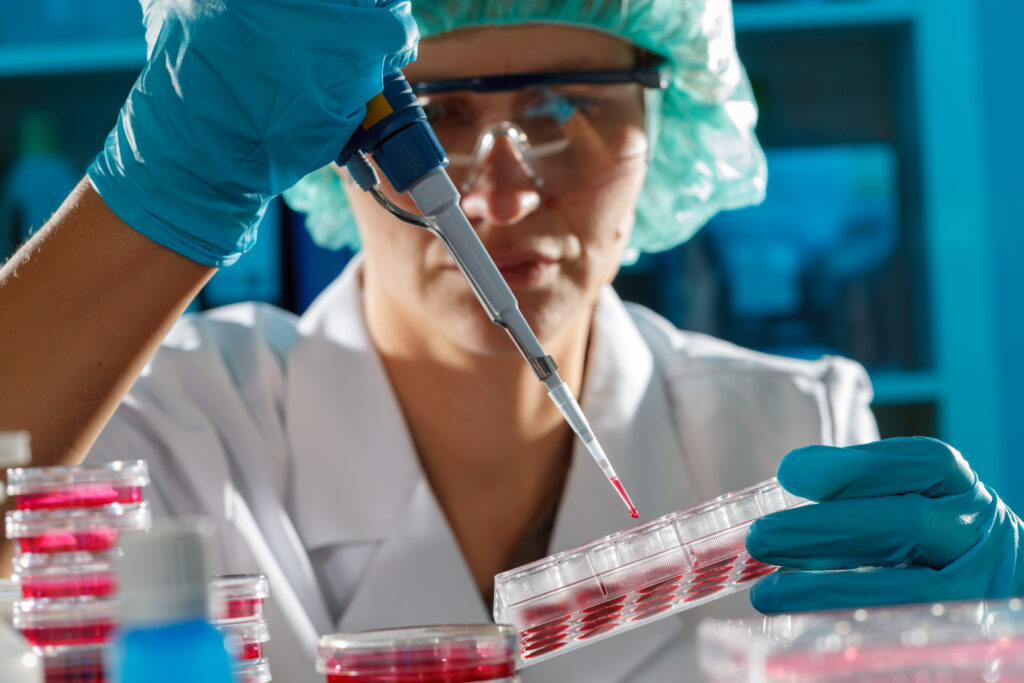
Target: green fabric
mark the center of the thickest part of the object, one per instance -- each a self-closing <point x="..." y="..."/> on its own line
<point x="705" y="156"/>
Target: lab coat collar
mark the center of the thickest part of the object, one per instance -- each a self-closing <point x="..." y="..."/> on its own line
<point x="354" y="462"/>
<point x="626" y="401"/>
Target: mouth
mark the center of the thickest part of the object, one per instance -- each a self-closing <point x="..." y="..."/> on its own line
<point x="523" y="268"/>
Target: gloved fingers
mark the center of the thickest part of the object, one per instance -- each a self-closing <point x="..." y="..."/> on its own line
<point x="805" y="591"/>
<point x="882" y="468"/>
<point x="846" y="534"/>
<point x="351" y="28"/>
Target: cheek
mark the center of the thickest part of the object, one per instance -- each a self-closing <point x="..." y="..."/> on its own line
<point x="602" y="218"/>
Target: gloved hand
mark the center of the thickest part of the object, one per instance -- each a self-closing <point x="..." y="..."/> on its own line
<point x="911" y="508"/>
<point x="238" y="100"/>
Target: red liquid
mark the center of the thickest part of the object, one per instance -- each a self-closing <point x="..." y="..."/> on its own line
<point x="95" y="584"/>
<point x="85" y="634"/>
<point x="436" y="669"/>
<point x="236" y="609"/>
<point x="251" y="651"/>
<point x="82" y="496"/>
<point x="625" y="497"/>
<point x="94" y="540"/>
<point x="701" y="582"/>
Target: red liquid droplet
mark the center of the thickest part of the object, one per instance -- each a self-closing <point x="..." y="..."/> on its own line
<point x="625" y="497"/>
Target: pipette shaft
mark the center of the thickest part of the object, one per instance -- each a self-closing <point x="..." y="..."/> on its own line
<point x="438" y="199"/>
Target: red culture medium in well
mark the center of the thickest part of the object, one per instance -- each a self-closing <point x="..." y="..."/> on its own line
<point x="92" y="540"/>
<point x="76" y="634"/>
<point x="452" y="668"/>
<point x="93" y="495"/>
<point x="63" y="587"/>
<point x="240" y="609"/>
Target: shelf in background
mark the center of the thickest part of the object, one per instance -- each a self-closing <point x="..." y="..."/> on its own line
<point x="45" y="59"/>
<point x="111" y="55"/>
<point x="782" y="16"/>
<point x="902" y="386"/>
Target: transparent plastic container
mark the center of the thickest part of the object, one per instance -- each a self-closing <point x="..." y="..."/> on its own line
<point x="56" y="488"/>
<point x="252" y="671"/>
<point x="65" y="575"/>
<point x="236" y="596"/>
<point x="75" y="664"/>
<point x="66" y="621"/>
<point x="75" y="530"/>
<point x="953" y="642"/>
<point x="247" y="636"/>
<point x="630" y="578"/>
<point x="467" y="653"/>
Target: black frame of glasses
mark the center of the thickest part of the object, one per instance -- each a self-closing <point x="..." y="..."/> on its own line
<point x="654" y="76"/>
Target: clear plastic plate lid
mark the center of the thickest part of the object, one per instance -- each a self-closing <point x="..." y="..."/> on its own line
<point x="252" y="671"/>
<point x="630" y="578"/>
<point x="27" y="562"/>
<point x="953" y="641"/>
<point x="64" y="612"/>
<point x="245" y="630"/>
<point x="26" y="480"/>
<point x="467" y="652"/>
<point x="239" y="587"/>
<point x="120" y="518"/>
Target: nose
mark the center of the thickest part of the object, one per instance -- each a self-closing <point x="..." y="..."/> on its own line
<point x="502" y="190"/>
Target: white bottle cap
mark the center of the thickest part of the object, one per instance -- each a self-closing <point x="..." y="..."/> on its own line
<point x="14" y="452"/>
<point x="164" y="574"/>
<point x="14" y="449"/>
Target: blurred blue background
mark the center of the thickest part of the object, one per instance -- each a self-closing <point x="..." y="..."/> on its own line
<point x="891" y="233"/>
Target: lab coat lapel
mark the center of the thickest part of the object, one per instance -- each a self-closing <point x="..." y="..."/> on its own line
<point x="418" y="576"/>
<point x="627" y="404"/>
<point x="354" y="463"/>
<point x="626" y="401"/>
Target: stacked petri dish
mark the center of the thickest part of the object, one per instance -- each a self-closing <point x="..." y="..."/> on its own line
<point x="236" y="610"/>
<point x="66" y="525"/>
<point x="462" y="653"/>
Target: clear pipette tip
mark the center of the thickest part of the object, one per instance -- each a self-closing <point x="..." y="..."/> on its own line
<point x="570" y="409"/>
<point x="598" y="454"/>
<point x="625" y="497"/>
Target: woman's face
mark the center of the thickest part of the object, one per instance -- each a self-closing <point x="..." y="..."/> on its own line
<point x="556" y="247"/>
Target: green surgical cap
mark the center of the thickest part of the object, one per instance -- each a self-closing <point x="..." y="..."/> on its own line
<point x="705" y="157"/>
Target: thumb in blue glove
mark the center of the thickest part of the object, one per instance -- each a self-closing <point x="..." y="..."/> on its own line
<point x="909" y="511"/>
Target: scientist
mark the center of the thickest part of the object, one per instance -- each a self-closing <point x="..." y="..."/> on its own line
<point x="384" y="455"/>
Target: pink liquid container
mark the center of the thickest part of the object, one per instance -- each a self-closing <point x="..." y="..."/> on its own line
<point x="65" y="575"/>
<point x="625" y="580"/>
<point x="953" y="642"/>
<point x="252" y="671"/>
<point x="65" y="621"/>
<point x="246" y="636"/>
<point x="75" y="664"/>
<point x="56" y="488"/>
<point x="467" y="653"/>
<point x="93" y="530"/>
<point x="236" y="596"/>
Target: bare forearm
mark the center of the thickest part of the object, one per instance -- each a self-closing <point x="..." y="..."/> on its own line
<point x="83" y="305"/>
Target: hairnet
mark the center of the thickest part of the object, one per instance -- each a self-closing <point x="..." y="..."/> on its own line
<point x="704" y="158"/>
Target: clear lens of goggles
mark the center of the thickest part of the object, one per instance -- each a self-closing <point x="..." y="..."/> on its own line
<point x="562" y="137"/>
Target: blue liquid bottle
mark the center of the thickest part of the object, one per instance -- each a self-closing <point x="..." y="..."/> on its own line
<point x="165" y="634"/>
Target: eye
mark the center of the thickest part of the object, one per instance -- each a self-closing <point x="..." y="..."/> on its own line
<point x="443" y="111"/>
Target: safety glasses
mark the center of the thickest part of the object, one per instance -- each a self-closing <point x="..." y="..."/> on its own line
<point x="562" y="130"/>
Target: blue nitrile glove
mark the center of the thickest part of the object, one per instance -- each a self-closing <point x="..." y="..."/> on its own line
<point x="911" y="508"/>
<point x="238" y="100"/>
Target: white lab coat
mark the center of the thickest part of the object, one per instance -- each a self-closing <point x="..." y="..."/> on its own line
<point x="286" y="432"/>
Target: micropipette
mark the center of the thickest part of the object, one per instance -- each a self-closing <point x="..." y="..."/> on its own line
<point x="396" y="133"/>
